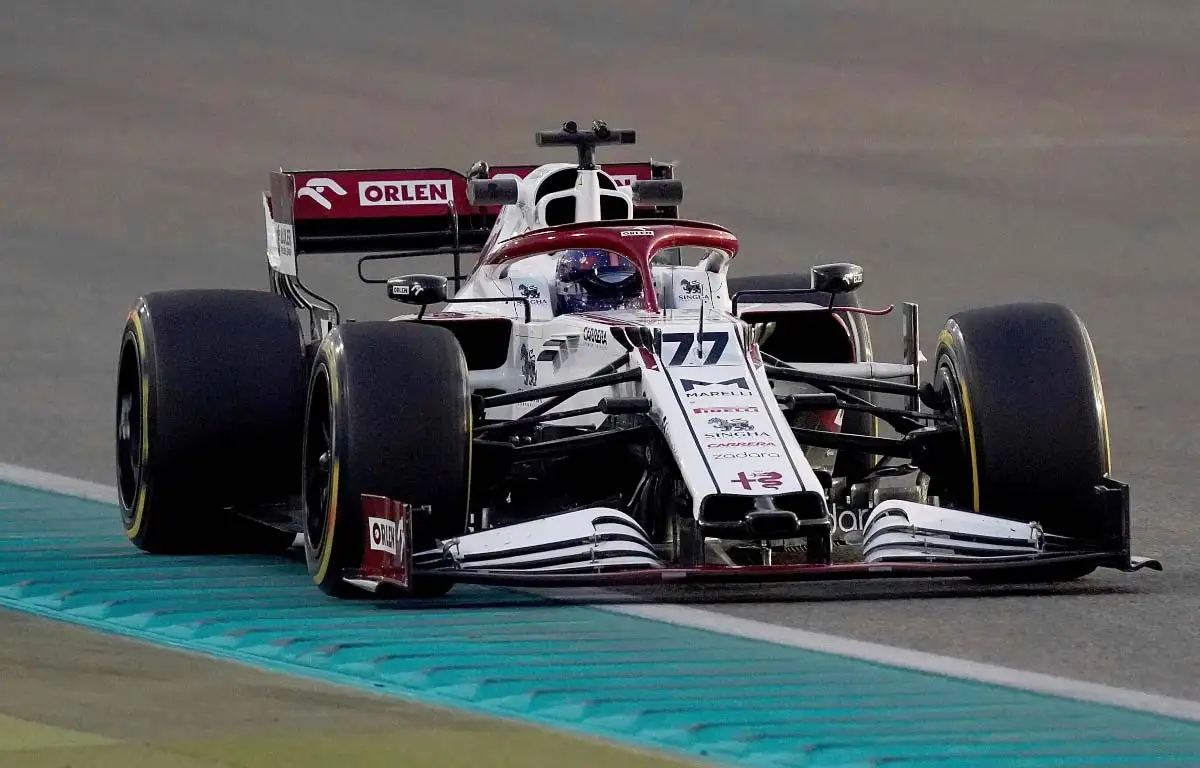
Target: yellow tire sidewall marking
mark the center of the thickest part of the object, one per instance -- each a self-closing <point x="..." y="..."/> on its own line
<point x="470" y="438"/>
<point x="139" y="505"/>
<point x="966" y="399"/>
<point x="1098" y="393"/>
<point x="331" y="513"/>
<point x="946" y="339"/>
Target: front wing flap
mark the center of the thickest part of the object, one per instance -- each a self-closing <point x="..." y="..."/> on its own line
<point x="769" y="574"/>
<point x="603" y="547"/>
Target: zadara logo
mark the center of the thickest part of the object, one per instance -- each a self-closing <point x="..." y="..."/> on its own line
<point x="315" y="190"/>
<point x="745" y="455"/>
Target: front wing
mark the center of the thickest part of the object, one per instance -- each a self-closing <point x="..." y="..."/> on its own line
<point x="602" y="547"/>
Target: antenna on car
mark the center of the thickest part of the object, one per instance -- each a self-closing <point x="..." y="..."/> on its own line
<point x="587" y="187"/>
<point x="585" y="142"/>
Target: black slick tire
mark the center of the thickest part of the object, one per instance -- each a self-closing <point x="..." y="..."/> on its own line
<point x="210" y="398"/>
<point x="1024" y="387"/>
<point x="389" y="413"/>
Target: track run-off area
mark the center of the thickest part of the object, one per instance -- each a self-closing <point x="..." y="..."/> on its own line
<point x="729" y="693"/>
<point x="965" y="153"/>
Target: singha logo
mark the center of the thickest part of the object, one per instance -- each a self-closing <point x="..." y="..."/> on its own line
<point x="690" y="286"/>
<point x="529" y="291"/>
<point x="730" y="425"/>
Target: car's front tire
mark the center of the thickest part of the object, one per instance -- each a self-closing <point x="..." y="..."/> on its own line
<point x="1022" y="383"/>
<point x="389" y="413"/>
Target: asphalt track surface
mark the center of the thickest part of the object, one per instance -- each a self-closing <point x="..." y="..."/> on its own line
<point x="965" y="153"/>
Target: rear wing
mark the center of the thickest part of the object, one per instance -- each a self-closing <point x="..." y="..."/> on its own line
<point x="421" y="210"/>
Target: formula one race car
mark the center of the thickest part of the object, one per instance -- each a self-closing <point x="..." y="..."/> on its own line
<point x="598" y="402"/>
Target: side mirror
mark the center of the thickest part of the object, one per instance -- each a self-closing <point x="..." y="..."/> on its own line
<point x="419" y="290"/>
<point x="489" y="192"/>
<point x="837" y="278"/>
<point x="658" y="192"/>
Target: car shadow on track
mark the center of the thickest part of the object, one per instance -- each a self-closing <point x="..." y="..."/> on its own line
<point x="474" y="598"/>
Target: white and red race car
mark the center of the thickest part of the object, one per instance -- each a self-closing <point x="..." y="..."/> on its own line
<point x="598" y="402"/>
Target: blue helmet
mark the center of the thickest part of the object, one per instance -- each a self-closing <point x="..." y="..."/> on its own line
<point x="595" y="280"/>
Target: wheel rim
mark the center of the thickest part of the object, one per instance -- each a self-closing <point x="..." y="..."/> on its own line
<point x="129" y="430"/>
<point x="955" y="490"/>
<point x="318" y="465"/>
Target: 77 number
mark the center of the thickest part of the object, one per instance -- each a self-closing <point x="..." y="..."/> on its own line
<point x="717" y="339"/>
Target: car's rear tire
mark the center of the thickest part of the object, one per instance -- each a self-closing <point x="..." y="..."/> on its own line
<point x="852" y="465"/>
<point x="389" y="413"/>
<point x="1024" y="387"/>
<point x="210" y="401"/>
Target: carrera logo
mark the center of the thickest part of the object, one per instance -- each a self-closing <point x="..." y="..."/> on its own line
<point x="316" y="188"/>
<point x="727" y="409"/>
<point x="403" y="192"/>
<point x="745" y="444"/>
<point x="595" y="336"/>
<point x="383" y="534"/>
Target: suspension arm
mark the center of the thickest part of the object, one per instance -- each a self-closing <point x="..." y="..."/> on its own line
<point x="827" y="380"/>
<point x="567" y="388"/>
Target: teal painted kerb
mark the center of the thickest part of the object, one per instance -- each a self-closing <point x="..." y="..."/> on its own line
<point x="716" y="697"/>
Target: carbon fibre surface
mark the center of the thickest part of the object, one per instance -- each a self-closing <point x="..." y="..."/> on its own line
<point x="709" y="695"/>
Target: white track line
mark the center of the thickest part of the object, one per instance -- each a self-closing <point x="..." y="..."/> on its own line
<point x="946" y="666"/>
<point x="696" y="618"/>
<point x="48" y="481"/>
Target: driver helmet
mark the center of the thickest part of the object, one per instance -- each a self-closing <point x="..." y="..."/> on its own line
<point x="595" y="280"/>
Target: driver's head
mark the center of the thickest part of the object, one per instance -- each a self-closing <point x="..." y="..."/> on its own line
<point x="595" y="280"/>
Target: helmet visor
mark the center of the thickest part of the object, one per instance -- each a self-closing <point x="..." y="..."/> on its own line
<point x="599" y="267"/>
